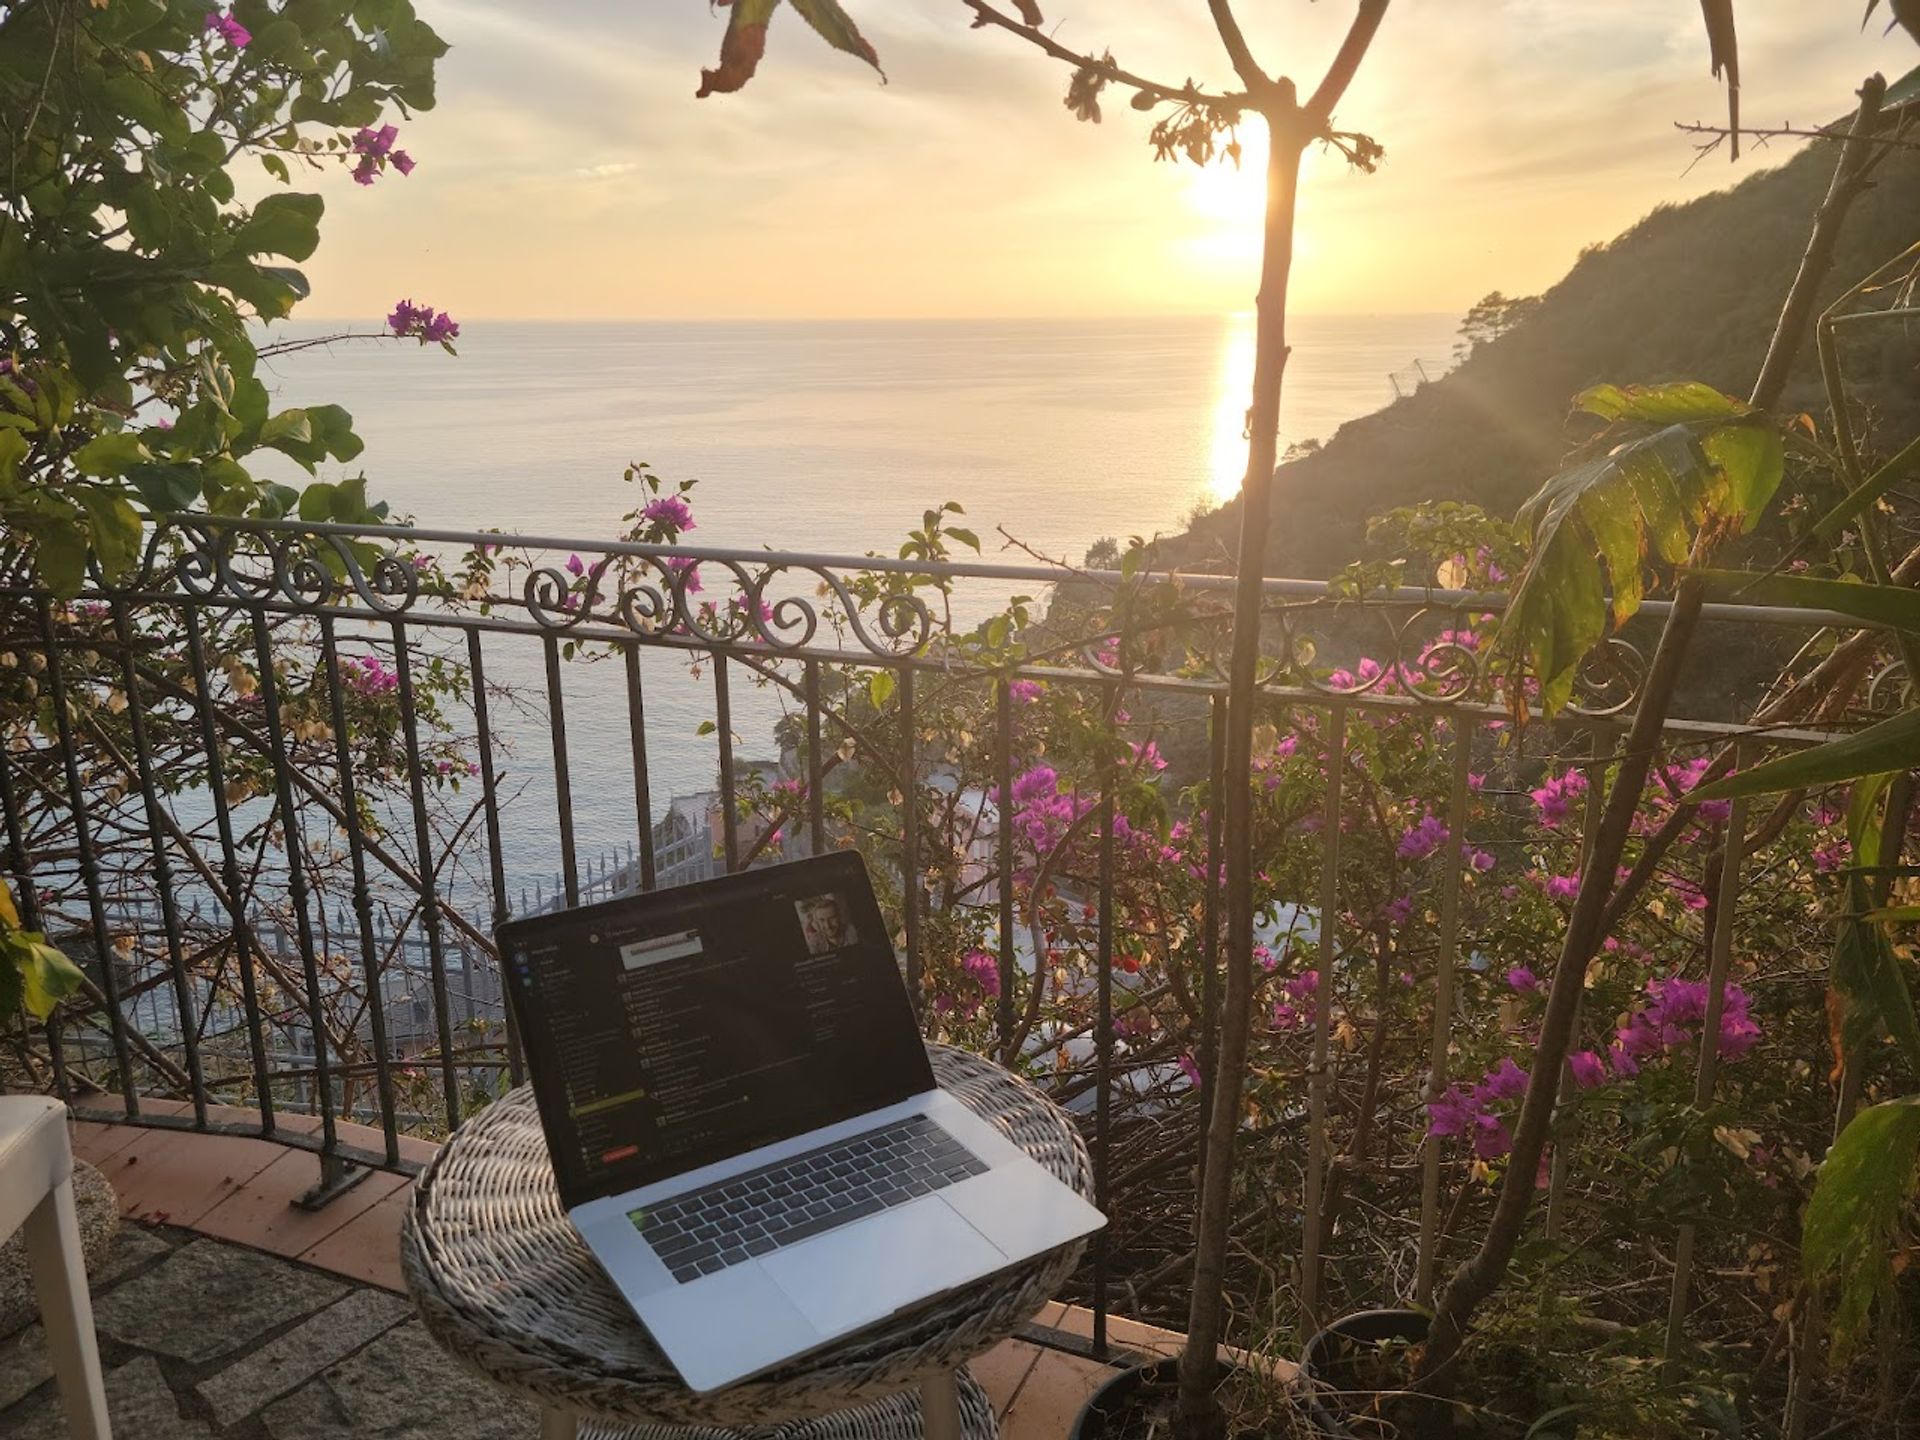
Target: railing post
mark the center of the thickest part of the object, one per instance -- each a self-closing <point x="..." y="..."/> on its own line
<point x="1720" y="961"/>
<point x="1317" y="1147"/>
<point x="1443" y="974"/>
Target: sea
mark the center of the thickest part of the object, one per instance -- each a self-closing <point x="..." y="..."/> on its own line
<point x="828" y="437"/>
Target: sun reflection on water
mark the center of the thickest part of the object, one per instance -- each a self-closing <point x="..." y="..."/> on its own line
<point x="1233" y="386"/>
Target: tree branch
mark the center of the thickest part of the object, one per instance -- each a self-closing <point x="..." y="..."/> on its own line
<point x="1346" y="61"/>
<point x="985" y="15"/>
<point x="1244" y="65"/>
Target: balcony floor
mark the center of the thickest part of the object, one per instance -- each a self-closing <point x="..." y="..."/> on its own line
<point x="223" y="1311"/>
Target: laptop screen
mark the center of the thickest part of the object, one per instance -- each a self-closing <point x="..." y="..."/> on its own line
<point x="669" y="1030"/>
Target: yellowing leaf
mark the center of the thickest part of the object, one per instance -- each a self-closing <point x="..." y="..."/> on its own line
<point x="741" y="48"/>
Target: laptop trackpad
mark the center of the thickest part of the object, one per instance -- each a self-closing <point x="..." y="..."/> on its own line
<point x="881" y="1264"/>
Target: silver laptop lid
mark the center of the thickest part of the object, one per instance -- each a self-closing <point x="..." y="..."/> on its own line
<point x="667" y="1031"/>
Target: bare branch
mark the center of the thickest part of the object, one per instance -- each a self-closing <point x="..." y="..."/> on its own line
<point x="1250" y="73"/>
<point x="1346" y="61"/>
<point x="985" y="14"/>
<point x="1764" y="133"/>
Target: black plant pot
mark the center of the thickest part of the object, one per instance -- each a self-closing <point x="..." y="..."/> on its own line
<point x="1105" y="1415"/>
<point x="1326" y="1364"/>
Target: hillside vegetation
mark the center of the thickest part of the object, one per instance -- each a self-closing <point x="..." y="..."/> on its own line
<point x="1690" y="292"/>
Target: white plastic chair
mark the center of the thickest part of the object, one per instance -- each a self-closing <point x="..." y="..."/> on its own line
<point x="36" y="1196"/>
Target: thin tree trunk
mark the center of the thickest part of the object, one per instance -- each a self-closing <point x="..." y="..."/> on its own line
<point x="1200" y="1412"/>
<point x="1480" y="1275"/>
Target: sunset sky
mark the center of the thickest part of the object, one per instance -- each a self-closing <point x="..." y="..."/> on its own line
<point x="569" y="172"/>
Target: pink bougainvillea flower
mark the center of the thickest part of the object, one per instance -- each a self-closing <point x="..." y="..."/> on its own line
<point x="575" y="566"/>
<point x="686" y="570"/>
<point x="228" y="28"/>
<point x="1423" y="838"/>
<point x="1506" y="1081"/>
<point x="1454" y="1113"/>
<point x="671" y="511"/>
<point x="1562" y="887"/>
<point x="1490" y="1137"/>
<point x="1587" y="1068"/>
<point x="401" y="161"/>
<point x="983" y="969"/>
<point x="1522" y="979"/>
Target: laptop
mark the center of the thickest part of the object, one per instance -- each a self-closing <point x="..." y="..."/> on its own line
<point x="743" y="1123"/>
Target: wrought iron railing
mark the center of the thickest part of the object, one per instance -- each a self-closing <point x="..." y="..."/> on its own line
<point x="277" y="789"/>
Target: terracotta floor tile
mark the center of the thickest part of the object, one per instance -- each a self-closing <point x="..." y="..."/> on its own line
<point x="172" y="1177"/>
<point x="94" y="1142"/>
<point x="1004" y="1369"/>
<point x="366" y="1248"/>
<point x="1121" y="1332"/>
<point x="262" y="1213"/>
<point x="1055" y="1390"/>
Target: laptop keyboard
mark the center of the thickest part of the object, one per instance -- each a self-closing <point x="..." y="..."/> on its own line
<point x="794" y="1200"/>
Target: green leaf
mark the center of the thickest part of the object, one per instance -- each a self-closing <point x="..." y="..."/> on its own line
<point x="1860" y="1202"/>
<point x="1893" y="744"/>
<point x="114" y="527"/>
<point x="1906" y="88"/>
<point x="290" y="425"/>
<point x="112" y="454"/>
<point x="880" y="687"/>
<point x="46" y="975"/>
<point x="166" y="487"/>
<point x="965" y="537"/>
<point x="13" y="449"/>
<point x="1659" y="404"/>
<point x="1877" y="604"/>
<point x="1895" y="915"/>
<point x="60" y="555"/>
<point x="1644" y="495"/>
<point x="1868" y="977"/>
<point x="1869" y="491"/>
<point x="833" y="25"/>
<point x="1753" y="461"/>
<point x="742" y="47"/>
<point x="282" y="224"/>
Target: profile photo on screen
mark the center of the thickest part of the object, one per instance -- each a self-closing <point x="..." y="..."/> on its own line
<point x="824" y="921"/>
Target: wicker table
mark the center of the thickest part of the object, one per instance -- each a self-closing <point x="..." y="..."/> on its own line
<point x="506" y="1285"/>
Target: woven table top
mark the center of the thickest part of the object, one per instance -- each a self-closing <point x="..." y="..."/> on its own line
<point x="506" y="1284"/>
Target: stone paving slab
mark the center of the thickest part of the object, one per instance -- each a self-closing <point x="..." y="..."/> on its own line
<point x="208" y="1299"/>
<point x="301" y="1353"/>
<point x="140" y="1406"/>
<point x="401" y="1387"/>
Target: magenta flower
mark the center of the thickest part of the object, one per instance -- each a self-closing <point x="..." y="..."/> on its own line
<point x="575" y="566"/>
<point x="1024" y="692"/>
<point x="1454" y="1113"/>
<point x="686" y="571"/>
<point x="1522" y="979"/>
<point x="1190" y="1068"/>
<point x="421" y="322"/>
<point x="670" y="511"/>
<point x="228" y="28"/>
<point x="401" y="161"/>
<point x="1587" y="1068"/>
<point x="1562" y="887"/>
<point x="1490" y="1137"/>
<point x="1506" y="1081"/>
<point x="1423" y="839"/>
<point x="983" y="969"/>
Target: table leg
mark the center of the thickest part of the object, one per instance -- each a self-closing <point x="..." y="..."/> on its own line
<point x="940" y="1406"/>
<point x="558" y="1424"/>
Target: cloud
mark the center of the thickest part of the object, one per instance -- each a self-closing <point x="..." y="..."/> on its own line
<point x="568" y="169"/>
